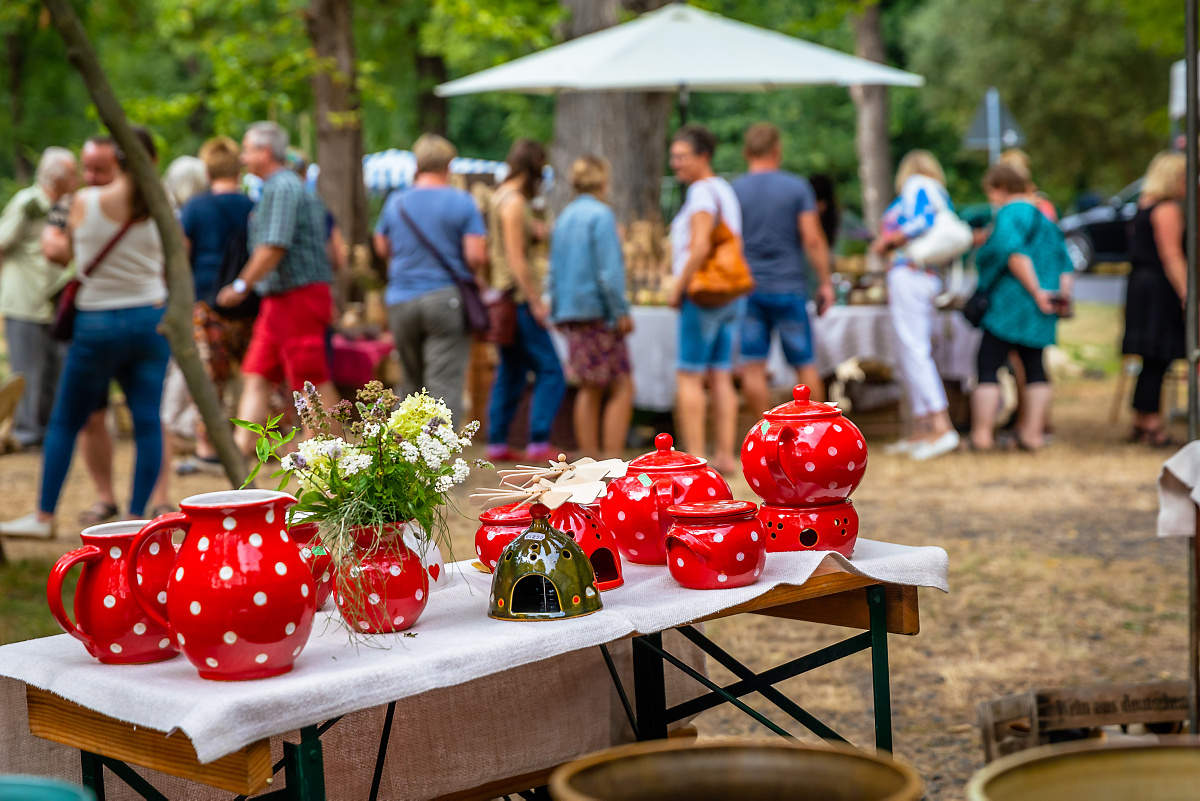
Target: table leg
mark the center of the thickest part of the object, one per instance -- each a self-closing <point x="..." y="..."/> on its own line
<point x="880" y="678"/>
<point x="305" y="767"/>
<point x="650" y="688"/>
<point x="93" y="773"/>
<point x="383" y="744"/>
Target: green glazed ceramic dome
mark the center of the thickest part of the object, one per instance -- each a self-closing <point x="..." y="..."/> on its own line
<point x="543" y="575"/>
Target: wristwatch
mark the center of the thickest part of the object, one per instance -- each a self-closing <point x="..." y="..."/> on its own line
<point x="239" y="286"/>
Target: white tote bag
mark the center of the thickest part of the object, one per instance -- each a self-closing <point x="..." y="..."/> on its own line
<point x="946" y="240"/>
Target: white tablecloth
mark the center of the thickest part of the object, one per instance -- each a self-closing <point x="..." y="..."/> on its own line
<point x="842" y="333"/>
<point x="465" y="681"/>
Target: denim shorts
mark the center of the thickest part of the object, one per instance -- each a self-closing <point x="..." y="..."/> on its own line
<point x="706" y="336"/>
<point x="785" y="312"/>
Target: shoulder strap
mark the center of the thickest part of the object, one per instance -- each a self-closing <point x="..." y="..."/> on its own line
<point x="104" y="251"/>
<point x="425" y="243"/>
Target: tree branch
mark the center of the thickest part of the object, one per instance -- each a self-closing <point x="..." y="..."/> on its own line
<point x="177" y="321"/>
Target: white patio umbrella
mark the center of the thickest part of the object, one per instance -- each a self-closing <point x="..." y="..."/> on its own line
<point x="679" y="48"/>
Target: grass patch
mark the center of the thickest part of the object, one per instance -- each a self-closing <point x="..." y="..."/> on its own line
<point x="24" y="613"/>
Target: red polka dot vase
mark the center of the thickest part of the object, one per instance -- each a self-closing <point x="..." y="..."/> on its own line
<point x="110" y="624"/>
<point x="387" y="587"/>
<point x="634" y="508"/>
<point x="240" y="599"/>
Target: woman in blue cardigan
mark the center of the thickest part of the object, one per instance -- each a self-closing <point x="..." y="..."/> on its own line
<point x="586" y="284"/>
<point x="1020" y="267"/>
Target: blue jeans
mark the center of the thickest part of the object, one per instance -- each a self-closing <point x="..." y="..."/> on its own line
<point x="531" y="351"/>
<point x="121" y="345"/>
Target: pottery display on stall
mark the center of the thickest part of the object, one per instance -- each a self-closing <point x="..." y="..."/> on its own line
<point x="593" y="537"/>
<point x="304" y="533"/>
<point x="543" y="575"/>
<point x="388" y="588"/>
<point x="240" y="599"/>
<point x="497" y="528"/>
<point x="635" y="506"/>
<point x="804" y="459"/>
<point x="110" y="624"/>
<point x="715" y="545"/>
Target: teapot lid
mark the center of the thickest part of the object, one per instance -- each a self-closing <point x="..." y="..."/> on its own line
<point x="801" y="408"/>
<point x="666" y="457"/>
<point x="511" y="513"/>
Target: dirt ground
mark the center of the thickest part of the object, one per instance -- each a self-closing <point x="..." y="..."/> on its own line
<point x="1056" y="575"/>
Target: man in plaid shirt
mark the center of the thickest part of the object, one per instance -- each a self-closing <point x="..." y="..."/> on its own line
<point x="289" y="269"/>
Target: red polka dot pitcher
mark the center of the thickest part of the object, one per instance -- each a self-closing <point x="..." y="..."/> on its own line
<point x="108" y="621"/>
<point x="805" y="459"/>
<point x="240" y="599"/>
<point x="635" y="507"/>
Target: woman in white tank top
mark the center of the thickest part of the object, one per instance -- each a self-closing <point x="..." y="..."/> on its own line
<point x="120" y="305"/>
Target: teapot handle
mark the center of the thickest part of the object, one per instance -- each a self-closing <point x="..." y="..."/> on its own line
<point x="88" y="554"/>
<point x="776" y="440"/>
<point x="664" y="497"/>
<point x="161" y="523"/>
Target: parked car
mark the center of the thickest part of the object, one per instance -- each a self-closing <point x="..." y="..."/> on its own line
<point x="1101" y="234"/>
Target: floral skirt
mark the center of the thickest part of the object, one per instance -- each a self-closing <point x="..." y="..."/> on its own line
<point x="222" y="343"/>
<point x="596" y="353"/>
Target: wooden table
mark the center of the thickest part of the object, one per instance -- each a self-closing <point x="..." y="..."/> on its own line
<point x="835" y="598"/>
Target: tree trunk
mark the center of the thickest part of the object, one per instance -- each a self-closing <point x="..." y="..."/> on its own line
<point x="339" y="116"/>
<point x="874" y="153"/>
<point x="627" y="128"/>
<point x="431" y="109"/>
<point x="17" y="53"/>
<point x="177" y="321"/>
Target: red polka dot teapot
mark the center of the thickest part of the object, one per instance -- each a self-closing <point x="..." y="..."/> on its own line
<point x="240" y="599"/>
<point x="805" y="459"/>
<point x="635" y="507"/>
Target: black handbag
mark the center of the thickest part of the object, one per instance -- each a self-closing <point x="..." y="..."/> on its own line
<point x="475" y="312"/>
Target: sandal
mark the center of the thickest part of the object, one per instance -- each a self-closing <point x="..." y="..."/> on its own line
<point x="1157" y="438"/>
<point x="162" y="509"/>
<point x="99" y="512"/>
<point x="1136" y="435"/>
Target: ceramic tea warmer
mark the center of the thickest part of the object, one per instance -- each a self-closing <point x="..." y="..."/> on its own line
<point x="543" y="575"/>
<point x="715" y="545"/>
<point x="593" y="537"/>
<point x="805" y="459"/>
<point x="635" y="506"/>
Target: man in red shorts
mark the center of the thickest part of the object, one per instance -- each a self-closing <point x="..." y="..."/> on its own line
<point x="289" y="269"/>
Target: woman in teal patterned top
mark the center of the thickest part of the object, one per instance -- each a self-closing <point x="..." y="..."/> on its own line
<point x="1020" y="267"/>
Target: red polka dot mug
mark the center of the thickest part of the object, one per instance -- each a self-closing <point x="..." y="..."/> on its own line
<point x="240" y="600"/>
<point x="635" y="507"/>
<point x="108" y="621"/>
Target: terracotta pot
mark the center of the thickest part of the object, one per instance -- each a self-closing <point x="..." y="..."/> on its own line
<point x="833" y="527"/>
<point x="240" y="600"/>
<point x="305" y="534"/>
<point x="497" y="528"/>
<point x="109" y="623"/>
<point x="388" y="589"/>
<point x="635" y="507"/>
<point x="804" y="453"/>
<point x="715" y="545"/>
<point x="593" y="537"/>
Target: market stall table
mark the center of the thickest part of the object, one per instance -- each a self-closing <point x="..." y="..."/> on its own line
<point x="843" y="332"/>
<point x="483" y="706"/>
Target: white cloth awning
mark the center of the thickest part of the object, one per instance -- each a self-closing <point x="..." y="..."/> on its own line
<point x="679" y="47"/>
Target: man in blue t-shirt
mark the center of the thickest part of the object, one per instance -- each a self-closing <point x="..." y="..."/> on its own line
<point x="431" y="235"/>
<point x="780" y="226"/>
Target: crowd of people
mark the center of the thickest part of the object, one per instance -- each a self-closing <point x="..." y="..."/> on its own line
<point x="262" y="273"/>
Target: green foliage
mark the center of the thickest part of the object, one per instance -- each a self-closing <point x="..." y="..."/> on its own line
<point x="24" y="613"/>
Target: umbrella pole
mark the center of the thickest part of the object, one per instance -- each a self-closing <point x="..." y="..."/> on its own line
<point x="684" y="98"/>
<point x="1193" y="349"/>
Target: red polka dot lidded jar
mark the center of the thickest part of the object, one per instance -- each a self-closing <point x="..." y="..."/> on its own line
<point x="635" y="507"/>
<point x="804" y="458"/>
<point x="240" y="599"/>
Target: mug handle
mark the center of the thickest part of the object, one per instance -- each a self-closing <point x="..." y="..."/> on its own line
<point x="88" y="554"/>
<point x="167" y="522"/>
<point x="697" y="545"/>
<point x="776" y="440"/>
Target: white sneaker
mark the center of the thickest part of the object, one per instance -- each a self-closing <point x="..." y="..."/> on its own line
<point x="900" y="447"/>
<point x="28" y="526"/>
<point x="939" y="447"/>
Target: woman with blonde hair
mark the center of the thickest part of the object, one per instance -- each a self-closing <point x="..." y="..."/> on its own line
<point x="1156" y="291"/>
<point x="912" y="288"/>
<point x="586" y="284"/>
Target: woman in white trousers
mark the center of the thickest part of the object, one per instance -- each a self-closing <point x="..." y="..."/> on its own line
<point x="912" y="289"/>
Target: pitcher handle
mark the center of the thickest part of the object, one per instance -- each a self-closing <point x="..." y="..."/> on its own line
<point x="776" y="440"/>
<point x="88" y="554"/>
<point x="167" y="522"/>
